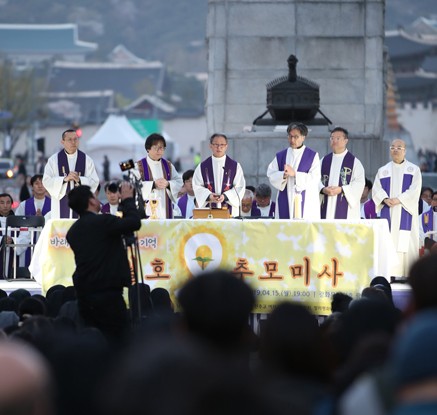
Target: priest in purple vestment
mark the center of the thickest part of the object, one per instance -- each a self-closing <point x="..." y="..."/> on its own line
<point x="396" y="193"/>
<point x="37" y="205"/>
<point x="112" y="193"/>
<point x="342" y="181"/>
<point x="295" y="173"/>
<point x="187" y="202"/>
<point x="219" y="180"/>
<point x="428" y="223"/>
<point x="64" y="171"/>
<point x="263" y="204"/>
<point x="159" y="178"/>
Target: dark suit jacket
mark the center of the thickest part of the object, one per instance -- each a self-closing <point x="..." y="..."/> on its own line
<point x="101" y="260"/>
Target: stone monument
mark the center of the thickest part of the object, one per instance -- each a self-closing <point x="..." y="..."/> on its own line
<point x="339" y="45"/>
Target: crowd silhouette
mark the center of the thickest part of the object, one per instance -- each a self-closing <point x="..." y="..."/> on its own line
<point x="202" y="356"/>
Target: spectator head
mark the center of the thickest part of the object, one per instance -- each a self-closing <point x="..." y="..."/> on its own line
<point x="423" y="281"/>
<point x="216" y="307"/>
<point x="291" y="342"/>
<point x="24" y="381"/>
<point x="340" y="302"/>
<point x="413" y="361"/>
<point x="31" y="306"/>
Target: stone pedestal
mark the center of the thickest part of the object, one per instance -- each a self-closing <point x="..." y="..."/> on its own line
<point x="339" y="45"/>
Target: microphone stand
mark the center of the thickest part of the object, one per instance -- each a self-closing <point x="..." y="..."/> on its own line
<point x="136" y="183"/>
<point x="133" y="253"/>
<point x="239" y="205"/>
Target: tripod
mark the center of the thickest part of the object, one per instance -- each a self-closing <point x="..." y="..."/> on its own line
<point x="135" y="298"/>
<point x="136" y="184"/>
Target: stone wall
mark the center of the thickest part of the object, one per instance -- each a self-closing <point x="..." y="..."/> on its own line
<point x="339" y="45"/>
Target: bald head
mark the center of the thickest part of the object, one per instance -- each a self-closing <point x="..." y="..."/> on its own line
<point x="24" y="380"/>
<point x="397" y="150"/>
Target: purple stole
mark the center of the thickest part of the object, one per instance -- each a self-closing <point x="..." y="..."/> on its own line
<point x="428" y="221"/>
<point x="182" y="203"/>
<point x="147" y="176"/>
<point x="230" y="170"/>
<point x="257" y="212"/>
<point x="369" y="209"/>
<point x="63" y="171"/>
<point x="344" y="179"/>
<point x="406" y="218"/>
<point x="29" y="206"/>
<point x="29" y="210"/>
<point x="304" y="166"/>
<point x="105" y="208"/>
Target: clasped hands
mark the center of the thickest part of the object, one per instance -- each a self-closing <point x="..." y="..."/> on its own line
<point x="391" y="201"/>
<point x="216" y="198"/>
<point x="161" y="183"/>
<point x="72" y="176"/>
<point x="289" y="171"/>
<point x="332" y="190"/>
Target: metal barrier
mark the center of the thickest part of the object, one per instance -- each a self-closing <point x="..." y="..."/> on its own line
<point x="19" y="238"/>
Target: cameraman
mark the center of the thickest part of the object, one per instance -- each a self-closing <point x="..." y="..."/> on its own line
<point x="102" y="268"/>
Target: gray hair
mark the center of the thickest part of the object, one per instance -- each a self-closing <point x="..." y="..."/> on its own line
<point x="248" y="194"/>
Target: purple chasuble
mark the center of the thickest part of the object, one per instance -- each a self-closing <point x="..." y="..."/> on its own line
<point x="230" y="170"/>
<point x="428" y="221"/>
<point x="406" y="218"/>
<point x="256" y="211"/>
<point x="147" y="176"/>
<point x="63" y="172"/>
<point x="105" y="208"/>
<point x="304" y="167"/>
<point x="345" y="177"/>
<point x="182" y="203"/>
<point x="29" y="206"/>
<point x="369" y="209"/>
<point x="29" y="210"/>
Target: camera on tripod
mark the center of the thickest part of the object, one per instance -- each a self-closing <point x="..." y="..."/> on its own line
<point x="127" y="165"/>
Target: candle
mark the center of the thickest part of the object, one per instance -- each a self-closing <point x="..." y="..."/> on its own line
<point x="297" y="206"/>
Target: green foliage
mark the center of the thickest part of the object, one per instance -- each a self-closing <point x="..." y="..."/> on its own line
<point x="20" y="94"/>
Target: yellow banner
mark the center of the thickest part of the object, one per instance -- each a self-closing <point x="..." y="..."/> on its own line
<point x="281" y="260"/>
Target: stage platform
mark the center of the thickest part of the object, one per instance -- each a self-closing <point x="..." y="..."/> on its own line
<point x="11" y="285"/>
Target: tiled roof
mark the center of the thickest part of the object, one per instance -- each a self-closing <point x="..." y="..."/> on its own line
<point x="400" y="46"/>
<point x="58" y="38"/>
<point x="127" y="80"/>
<point x="430" y="64"/>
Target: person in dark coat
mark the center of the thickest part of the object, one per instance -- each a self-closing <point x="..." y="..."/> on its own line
<point x="102" y="268"/>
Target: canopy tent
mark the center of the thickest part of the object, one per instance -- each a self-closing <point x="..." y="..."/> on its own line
<point x="119" y="141"/>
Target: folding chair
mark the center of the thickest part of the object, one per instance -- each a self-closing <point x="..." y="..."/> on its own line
<point x="14" y="225"/>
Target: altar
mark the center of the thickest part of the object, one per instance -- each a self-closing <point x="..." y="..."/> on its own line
<point x="279" y="259"/>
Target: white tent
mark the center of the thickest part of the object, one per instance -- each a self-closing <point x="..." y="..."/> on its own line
<point x="118" y="140"/>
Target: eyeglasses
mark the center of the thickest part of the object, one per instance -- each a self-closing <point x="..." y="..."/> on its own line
<point x="158" y="148"/>
<point x="392" y="148"/>
<point x="219" y="145"/>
